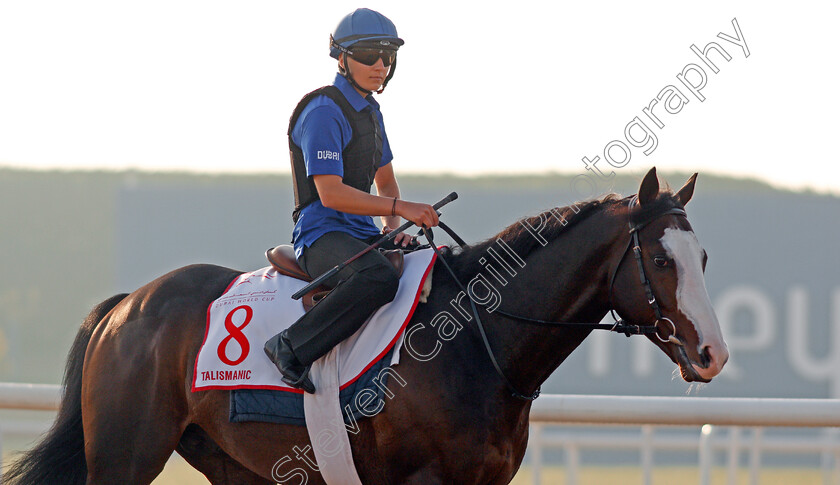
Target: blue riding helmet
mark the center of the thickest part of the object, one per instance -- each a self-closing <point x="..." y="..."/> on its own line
<point x="366" y="26"/>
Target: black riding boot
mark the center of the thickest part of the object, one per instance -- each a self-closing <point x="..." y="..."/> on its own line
<point x="295" y="374"/>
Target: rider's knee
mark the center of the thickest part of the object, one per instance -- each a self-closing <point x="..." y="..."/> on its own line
<point x="383" y="282"/>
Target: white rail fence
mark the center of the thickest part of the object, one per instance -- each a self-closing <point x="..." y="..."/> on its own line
<point x="646" y="412"/>
<point x="43" y="397"/>
<point x="708" y="413"/>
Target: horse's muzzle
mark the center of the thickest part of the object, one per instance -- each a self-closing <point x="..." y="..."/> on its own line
<point x="712" y="359"/>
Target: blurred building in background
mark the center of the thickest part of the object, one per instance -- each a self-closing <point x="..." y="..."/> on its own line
<point x="72" y="239"/>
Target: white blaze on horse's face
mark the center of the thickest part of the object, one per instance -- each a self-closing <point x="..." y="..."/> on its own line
<point x="693" y="299"/>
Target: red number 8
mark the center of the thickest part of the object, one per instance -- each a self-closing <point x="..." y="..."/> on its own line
<point x="235" y="333"/>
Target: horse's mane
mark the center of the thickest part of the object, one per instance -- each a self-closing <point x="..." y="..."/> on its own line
<point x="466" y="261"/>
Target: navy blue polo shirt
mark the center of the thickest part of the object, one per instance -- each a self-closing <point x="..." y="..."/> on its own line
<point x="322" y="132"/>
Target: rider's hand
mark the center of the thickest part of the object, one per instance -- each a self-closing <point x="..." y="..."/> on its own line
<point x="423" y="215"/>
<point x="402" y="239"/>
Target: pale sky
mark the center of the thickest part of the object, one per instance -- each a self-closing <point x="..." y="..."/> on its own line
<point x="481" y="87"/>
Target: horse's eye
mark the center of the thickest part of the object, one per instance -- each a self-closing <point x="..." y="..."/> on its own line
<point x="660" y="260"/>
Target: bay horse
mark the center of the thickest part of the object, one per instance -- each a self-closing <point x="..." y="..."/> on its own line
<point x="451" y="417"/>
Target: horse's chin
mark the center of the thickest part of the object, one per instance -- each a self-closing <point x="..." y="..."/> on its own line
<point x="690" y="375"/>
<point x="689" y="371"/>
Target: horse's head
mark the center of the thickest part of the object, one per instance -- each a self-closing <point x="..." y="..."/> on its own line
<point x="672" y="260"/>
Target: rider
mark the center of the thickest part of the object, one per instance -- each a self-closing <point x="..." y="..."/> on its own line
<point x="339" y="149"/>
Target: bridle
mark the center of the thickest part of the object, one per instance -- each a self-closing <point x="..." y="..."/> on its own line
<point x="619" y="326"/>
<point x="637" y="253"/>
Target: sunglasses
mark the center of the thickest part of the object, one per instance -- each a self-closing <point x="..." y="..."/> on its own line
<point x="369" y="57"/>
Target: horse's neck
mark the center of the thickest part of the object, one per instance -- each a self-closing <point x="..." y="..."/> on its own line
<point x="565" y="281"/>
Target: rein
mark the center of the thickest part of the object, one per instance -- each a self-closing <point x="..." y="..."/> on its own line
<point x="620" y="326"/>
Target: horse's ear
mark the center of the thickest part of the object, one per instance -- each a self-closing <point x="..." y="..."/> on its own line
<point x="649" y="188"/>
<point x="685" y="193"/>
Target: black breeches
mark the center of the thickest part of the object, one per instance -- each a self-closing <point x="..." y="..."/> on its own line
<point x="359" y="289"/>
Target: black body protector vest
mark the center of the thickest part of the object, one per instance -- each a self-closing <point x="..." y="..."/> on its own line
<point x="361" y="156"/>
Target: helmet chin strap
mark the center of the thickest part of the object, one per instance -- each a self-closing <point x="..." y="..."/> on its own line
<point x="389" y="76"/>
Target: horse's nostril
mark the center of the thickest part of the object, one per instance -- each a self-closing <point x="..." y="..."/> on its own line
<point x="705" y="356"/>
